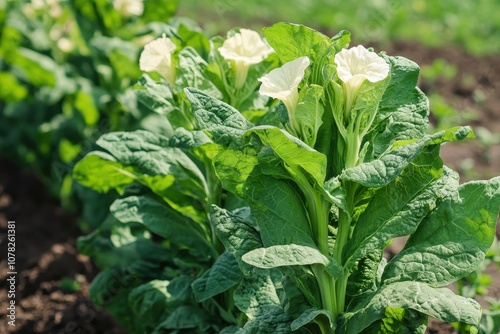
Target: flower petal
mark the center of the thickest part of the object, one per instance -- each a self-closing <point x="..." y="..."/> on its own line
<point x="358" y="63"/>
<point x="280" y="82"/>
<point x="245" y="46"/>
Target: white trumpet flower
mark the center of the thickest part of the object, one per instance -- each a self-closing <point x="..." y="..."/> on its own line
<point x="354" y="66"/>
<point x="243" y="50"/>
<point x="282" y="83"/>
<point x="157" y="56"/>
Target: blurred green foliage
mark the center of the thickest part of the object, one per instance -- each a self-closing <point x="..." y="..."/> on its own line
<point x="471" y="24"/>
<point x="66" y="72"/>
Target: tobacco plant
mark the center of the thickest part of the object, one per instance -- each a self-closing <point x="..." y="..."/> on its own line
<point x="269" y="211"/>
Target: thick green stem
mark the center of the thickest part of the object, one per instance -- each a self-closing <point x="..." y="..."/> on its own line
<point x="343" y="235"/>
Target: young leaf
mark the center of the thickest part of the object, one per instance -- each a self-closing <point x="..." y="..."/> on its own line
<point x="452" y="241"/>
<point x="291" y="41"/>
<point x="309" y="112"/>
<point x="191" y="73"/>
<point x="223" y="275"/>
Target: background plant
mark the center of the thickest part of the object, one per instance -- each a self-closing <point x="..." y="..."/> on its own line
<point x="66" y="68"/>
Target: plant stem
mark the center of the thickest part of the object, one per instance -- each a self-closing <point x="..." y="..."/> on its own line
<point x="214" y="195"/>
<point x="344" y="232"/>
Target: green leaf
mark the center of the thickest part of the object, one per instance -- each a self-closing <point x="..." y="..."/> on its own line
<point x="159" y="10"/>
<point x="268" y="196"/>
<point x="185" y="317"/>
<point x="191" y="73"/>
<point x="157" y="96"/>
<point x="101" y="172"/>
<point x="404" y="109"/>
<point x="223" y="275"/>
<point x="309" y="113"/>
<point x="167" y="171"/>
<point x="255" y="293"/>
<point x="365" y="275"/>
<point x="272" y="320"/>
<point x="161" y="220"/>
<point x="398" y="208"/>
<point x="291" y="41"/>
<point x="150" y="302"/>
<point x="309" y="315"/>
<point x="194" y="38"/>
<point x="291" y="255"/>
<point x="111" y="288"/>
<point x="380" y="172"/>
<point x="84" y="103"/>
<point x="233" y="168"/>
<point x="452" y="241"/>
<point x="441" y="304"/>
<point x="183" y="138"/>
<point x="279" y="211"/>
<point x="400" y="321"/>
<point x="225" y="123"/>
<point x="237" y="234"/>
<point x="296" y="155"/>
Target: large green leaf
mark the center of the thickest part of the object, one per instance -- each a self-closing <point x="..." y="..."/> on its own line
<point x="291" y="41"/>
<point x="404" y="109"/>
<point x="291" y="255"/>
<point x="225" y="123"/>
<point x="150" y="302"/>
<point x="381" y="171"/>
<point x="279" y="211"/>
<point x="167" y="171"/>
<point x="398" y="208"/>
<point x="237" y="235"/>
<point x="271" y="320"/>
<point x="162" y="220"/>
<point x="255" y="293"/>
<point x="441" y="304"/>
<point x="223" y="275"/>
<point x="101" y="172"/>
<point x="296" y="155"/>
<point x="452" y="241"/>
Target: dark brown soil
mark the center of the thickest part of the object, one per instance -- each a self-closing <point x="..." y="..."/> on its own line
<point x="45" y="258"/>
<point x="45" y="236"/>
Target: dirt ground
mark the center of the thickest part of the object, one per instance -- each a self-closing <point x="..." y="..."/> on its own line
<point x="45" y="236"/>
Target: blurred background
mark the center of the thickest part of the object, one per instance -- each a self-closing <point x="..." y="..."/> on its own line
<point x="67" y="71"/>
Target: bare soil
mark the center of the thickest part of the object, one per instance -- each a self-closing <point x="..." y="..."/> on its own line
<point x="45" y="236"/>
